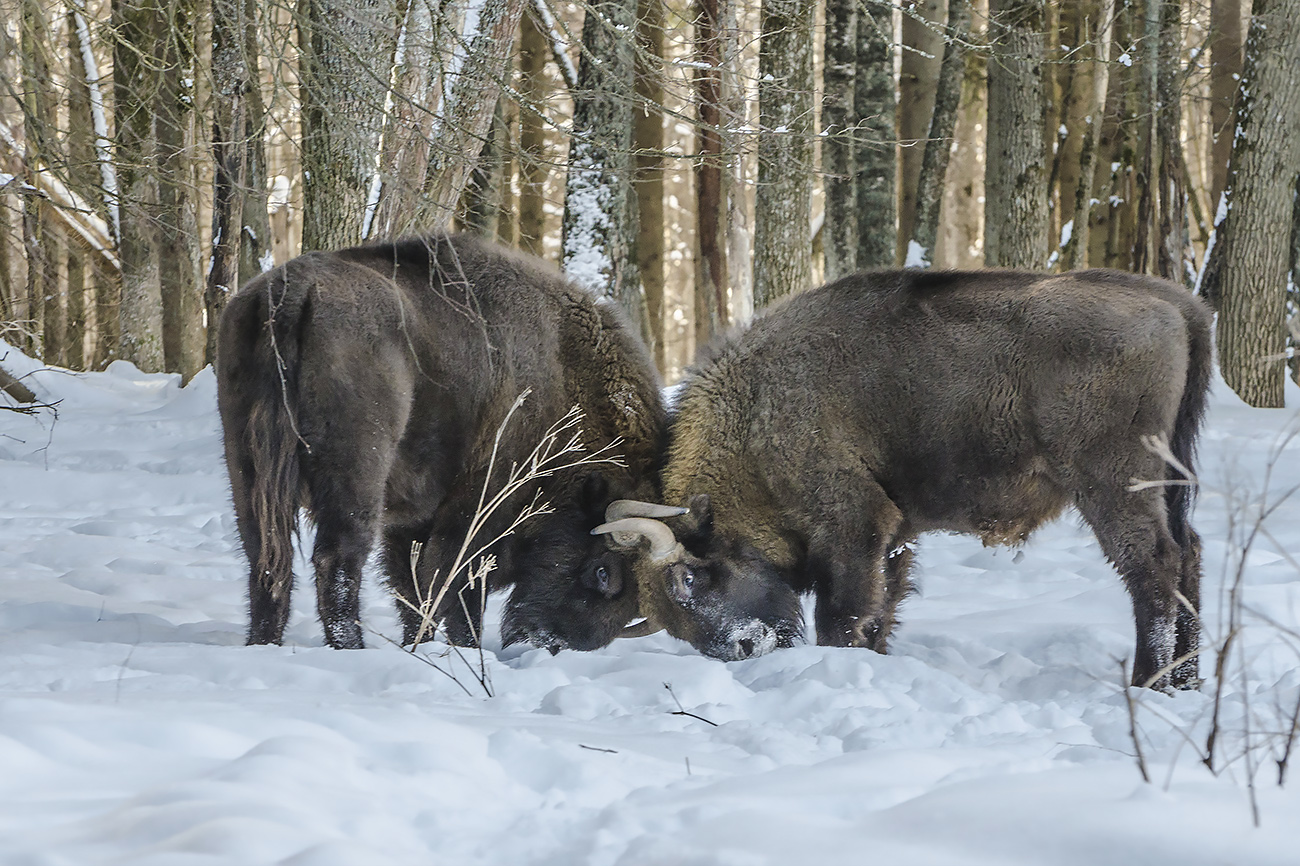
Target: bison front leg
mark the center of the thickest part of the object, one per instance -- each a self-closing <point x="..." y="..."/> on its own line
<point x="857" y="582"/>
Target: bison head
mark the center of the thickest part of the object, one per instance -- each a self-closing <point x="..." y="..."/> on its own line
<point x="575" y="590"/>
<point x="712" y="590"/>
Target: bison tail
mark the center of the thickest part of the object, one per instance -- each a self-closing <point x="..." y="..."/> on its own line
<point x="258" y="373"/>
<point x="1187" y="424"/>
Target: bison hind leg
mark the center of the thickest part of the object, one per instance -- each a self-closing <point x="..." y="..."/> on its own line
<point x="1134" y="533"/>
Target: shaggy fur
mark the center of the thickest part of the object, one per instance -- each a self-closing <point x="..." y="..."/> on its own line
<point x="367" y="385"/>
<point x="816" y="447"/>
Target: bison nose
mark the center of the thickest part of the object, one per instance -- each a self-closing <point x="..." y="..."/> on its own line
<point x="744" y="648"/>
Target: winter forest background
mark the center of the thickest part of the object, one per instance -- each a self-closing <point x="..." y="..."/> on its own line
<point x="694" y="159"/>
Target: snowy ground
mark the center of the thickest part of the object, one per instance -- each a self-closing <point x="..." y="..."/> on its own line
<point x="135" y="727"/>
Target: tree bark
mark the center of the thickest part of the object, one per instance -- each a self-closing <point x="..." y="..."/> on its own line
<point x="138" y="86"/>
<point x="40" y="319"/>
<point x="648" y="145"/>
<point x="838" y="133"/>
<point x="918" y="79"/>
<point x="938" y="148"/>
<point x="1076" y="249"/>
<point x="599" y="240"/>
<point x="471" y="88"/>
<point x="1254" y="239"/>
<point x="711" y="270"/>
<point x="534" y="48"/>
<point x="344" y="46"/>
<point x="876" y="155"/>
<point x="1016" y="181"/>
<point x="180" y="263"/>
<point x="1225" y="76"/>
<point x="482" y="198"/>
<point x="782" y="233"/>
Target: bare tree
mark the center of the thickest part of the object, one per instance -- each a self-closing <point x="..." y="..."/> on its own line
<point x="782" y="232"/>
<point x="599" y="201"/>
<point x="1076" y="252"/>
<point x="140" y="30"/>
<point x="534" y="48"/>
<point x="1251" y="258"/>
<point x="345" y="48"/>
<point x="648" y="161"/>
<point x="1016" y="180"/>
<point x="938" y="147"/>
<point x="839" y="150"/>
<point x="240" y="227"/>
<point x="1225" y="75"/>
<point x="711" y="181"/>
<point x="920" y="58"/>
<point x="875" y="156"/>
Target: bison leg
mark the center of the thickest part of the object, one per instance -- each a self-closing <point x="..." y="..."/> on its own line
<point x="402" y="580"/>
<point x="1134" y="534"/>
<point x="1187" y="674"/>
<point x="855" y="600"/>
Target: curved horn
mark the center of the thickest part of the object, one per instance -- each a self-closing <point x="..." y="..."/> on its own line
<point x="630" y="530"/>
<point x="621" y="508"/>
<point x="640" y="629"/>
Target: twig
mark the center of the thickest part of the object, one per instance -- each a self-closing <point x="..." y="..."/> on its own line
<point x="424" y="658"/>
<point x="597" y="749"/>
<point x="682" y="711"/>
<point x="1132" y="721"/>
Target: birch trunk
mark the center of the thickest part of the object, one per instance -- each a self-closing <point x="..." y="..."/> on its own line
<point x="782" y="234"/>
<point x="1016" y="181"/>
<point x="1254" y="238"/>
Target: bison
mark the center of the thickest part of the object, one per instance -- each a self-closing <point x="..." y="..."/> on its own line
<point x="813" y="449"/>
<point x="367" y="387"/>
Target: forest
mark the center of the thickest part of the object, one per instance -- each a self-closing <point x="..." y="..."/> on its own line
<point x="693" y="160"/>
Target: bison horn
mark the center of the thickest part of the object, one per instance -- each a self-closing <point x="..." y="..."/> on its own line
<point x="621" y="508"/>
<point x="630" y="530"/>
<point x="639" y="629"/>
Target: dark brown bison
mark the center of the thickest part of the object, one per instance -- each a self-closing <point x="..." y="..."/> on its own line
<point x="367" y="387"/>
<point x="813" y="449"/>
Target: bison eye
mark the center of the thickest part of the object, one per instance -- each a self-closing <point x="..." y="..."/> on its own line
<point x="683" y="584"/>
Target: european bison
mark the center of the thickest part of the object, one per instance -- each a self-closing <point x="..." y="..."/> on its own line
<point x="813" y="449"/>
<point x="367" y="386"/>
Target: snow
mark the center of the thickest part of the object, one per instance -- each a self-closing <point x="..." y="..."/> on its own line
<point x="917" y="256"/>
<point x="136" y="728"/>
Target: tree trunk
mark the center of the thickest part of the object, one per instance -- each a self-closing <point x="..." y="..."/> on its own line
<point x="344" y="47"/>
<point x="918" y="80"/>
<point x="782" y="233"/>
<point x="600" y="211"/>
<point x="876" y="151"/>
<point x="138" y="86"/>
<point x="481" y="205"/>
<point x="840" y="230"/>
<point x="1076" y="250"/>
<point x="181" y="268"/>
<point x="711" y="272"/>
<point x="1172" y="243"/>
<point x="41" y="339"/>
<point x="1254" y="239"/>
<point x="534" y="48"/>
<point x="1016" y="182"/>
<point x="1225" y="76"/>
<point x="938" y="148"/>
<point x="648" y="144"/>
<point x="471" y="87"/>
